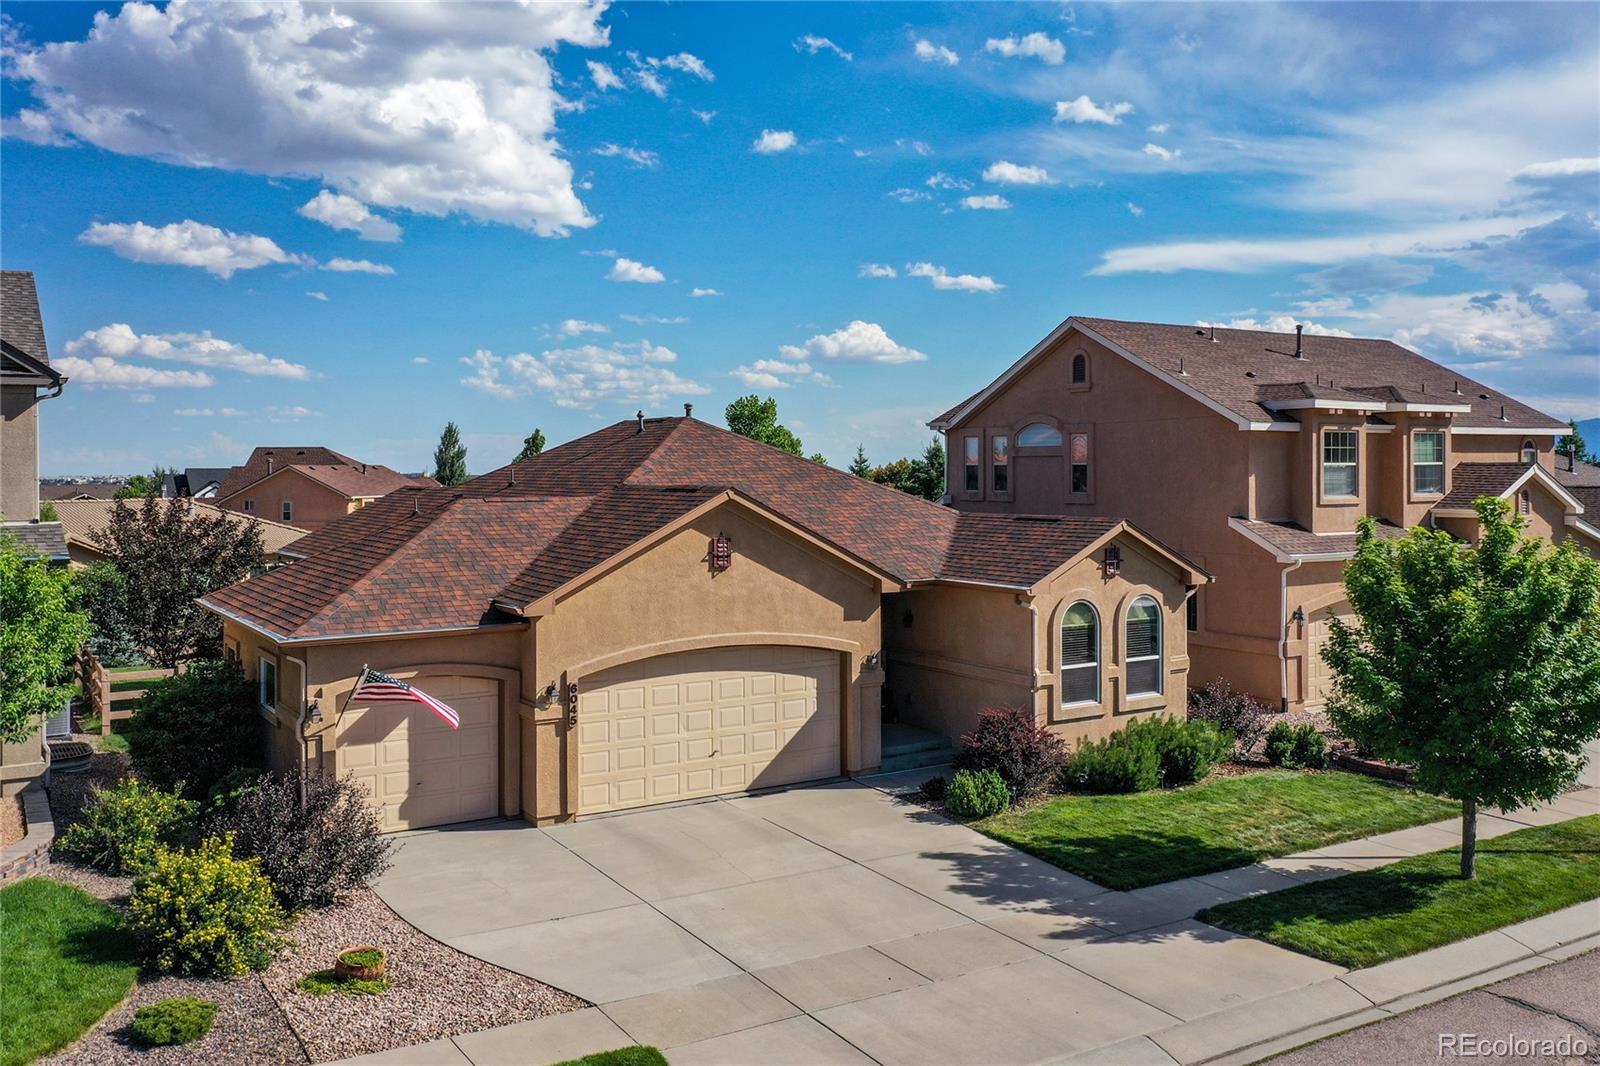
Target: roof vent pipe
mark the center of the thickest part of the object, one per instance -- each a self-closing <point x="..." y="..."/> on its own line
<point x="640" y="417"/>
<point x="1299" y="340"/>
<point x="688" y="410"/>
<point x="269" y="464"/>
<point x="1213" y="333"/>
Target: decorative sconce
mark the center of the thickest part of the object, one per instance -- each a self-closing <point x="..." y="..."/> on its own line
<point x="874" y="661"/>
<point x="1299" y="616"/>
<point x="315" y="710"/>
<point x="721" y="553"/>
<point x="1113" y="560"/>
<point x="550" y="691"/>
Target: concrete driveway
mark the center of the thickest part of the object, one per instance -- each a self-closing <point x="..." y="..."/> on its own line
<point x="826" y="924"/>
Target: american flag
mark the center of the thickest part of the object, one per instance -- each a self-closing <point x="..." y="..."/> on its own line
<point x="375" y="687"/>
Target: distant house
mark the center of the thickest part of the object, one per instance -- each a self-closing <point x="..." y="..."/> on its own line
<point x="308" y="486"/>
<point x="26" y="378"/>
<point x="78" y="490"/>
<point x="197" y="482"/>
<point x="82" y="520"/>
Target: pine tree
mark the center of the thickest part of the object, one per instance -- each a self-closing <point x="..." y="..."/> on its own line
<point x="450" y="457"/>
<point x="860" y="466"/>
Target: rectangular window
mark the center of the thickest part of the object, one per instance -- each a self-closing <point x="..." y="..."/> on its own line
<point x="249" y="505"/>
<point x="1080" y="463"/>
<point x="1002" y="463"/>
<point x="1191" y="612"/>
<point x="1340" y="447"/>
<point x="1427" y="462"/>
<point x="972" y="457"/>
<point x="267" y="678"/>
<point x="288" y="510"/>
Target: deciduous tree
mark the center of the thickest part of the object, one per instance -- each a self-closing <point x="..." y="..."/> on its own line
<point x="1478" y="665"/>
<point x="450" y="457"/>
<point x="40" y="632"/>
<point x="532" y="445"/>
<point x="751" y="416"/>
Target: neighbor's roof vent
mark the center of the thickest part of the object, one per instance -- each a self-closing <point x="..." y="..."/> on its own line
<point x="640" y="417"/>
<point x="1299" y="340"/>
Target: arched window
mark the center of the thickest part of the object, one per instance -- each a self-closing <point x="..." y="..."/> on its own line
<point x="1080" y="369"/>
<point x="1530" y="454"/>
<point x="1144" y="647"/>
<point x="1080" y="654"/>
<point x="1039" y="435"/>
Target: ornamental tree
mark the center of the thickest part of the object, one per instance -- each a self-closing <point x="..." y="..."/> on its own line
<point x="1478" y="665"/>
<point x="168" y="555"/>
<point x="39" y="635"/>
<point x="450" y="457"/>
<point x="751" y="416"/>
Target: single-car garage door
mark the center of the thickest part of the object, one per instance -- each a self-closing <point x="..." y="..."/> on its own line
<point x="418" y="770"/>
<point x="1319" y="677"/>
<point x="705" y="723"/>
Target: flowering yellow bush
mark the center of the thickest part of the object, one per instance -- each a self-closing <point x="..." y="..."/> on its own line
<point x="204" y="912"/>
<point x="126" y="827"/>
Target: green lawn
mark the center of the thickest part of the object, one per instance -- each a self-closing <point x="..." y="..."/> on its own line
<point x="113" y="741"/>
<point x="63" y="962"/>
<point x="1418" y="903"/>
<point x="1145" y="838"/>
<point x="622" y="1056"/>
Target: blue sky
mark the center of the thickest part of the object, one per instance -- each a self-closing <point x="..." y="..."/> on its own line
<point x="347" y="224"/>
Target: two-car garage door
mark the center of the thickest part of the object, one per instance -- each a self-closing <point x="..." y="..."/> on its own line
<point x="706" y="723"/>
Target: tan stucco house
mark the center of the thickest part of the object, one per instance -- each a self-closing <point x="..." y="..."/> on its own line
<point x="83" y="520"/>
<point x="306" y="486"/>
<point x="1253" y="454"/>
<point x="663" y="610"/>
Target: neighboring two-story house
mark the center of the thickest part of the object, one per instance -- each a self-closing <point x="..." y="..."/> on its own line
<point x="1253" y="454"/>
<point x="307" y="486"/>
<point x="26" y="379"/>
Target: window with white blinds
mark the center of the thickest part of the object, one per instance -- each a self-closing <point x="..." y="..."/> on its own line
<point x="1080" y="654"/>
<point x="1144" y="647"/>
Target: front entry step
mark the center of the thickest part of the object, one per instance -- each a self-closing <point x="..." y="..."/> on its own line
<point x="905" y="747"/>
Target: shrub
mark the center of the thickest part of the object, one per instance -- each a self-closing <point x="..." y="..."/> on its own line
<point x="174" y="1021"/>
<point x="933" y="790"/>
<point x="327" y="983"/>
<point x="1123" y="762"/>
<point x="195" y="727"/>
<point x="316" y="843"/>
<point x="1236" y="713"/>
<point x="1008" y="741"/>
<point x="233" y="786"/>
<point x="123" y="828"/>
<point x="1296" y="747"/>
<point x="976" y="794"/>
<point x="204" y="913"/>
<point x="1189" y="750"/>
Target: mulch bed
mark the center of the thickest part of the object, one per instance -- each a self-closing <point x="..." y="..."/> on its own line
<point x="263" y="1018"/>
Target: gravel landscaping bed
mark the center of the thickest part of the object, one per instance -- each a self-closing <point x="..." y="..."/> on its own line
<point x="435" y="991"/>
<point x="13" y="826"/>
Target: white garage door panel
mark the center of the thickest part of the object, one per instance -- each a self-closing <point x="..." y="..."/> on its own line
<point x="418" y="770"/>
<point x="1319" y="677"/>
<point x="706" y="723"/>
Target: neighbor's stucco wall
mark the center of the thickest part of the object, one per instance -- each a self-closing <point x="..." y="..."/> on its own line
<point x="19" y="453"/>
<point x="315" y="504"/>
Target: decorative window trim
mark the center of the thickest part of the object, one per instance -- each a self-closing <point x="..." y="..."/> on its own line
<point x="1093" y="664"/>
<point x="1413" y="492"/>
<point x="1159" y="657"/>
<point x="1322" y="465"/>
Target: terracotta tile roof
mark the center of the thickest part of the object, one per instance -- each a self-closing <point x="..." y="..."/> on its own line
<point x="1468" y="481"/>
<point x="82" y="519"/>
<point x="21" y="324"/>
<point x="1232" y="370"/>
<point x="1290" y="538"/>
<point x="439" y="557"/>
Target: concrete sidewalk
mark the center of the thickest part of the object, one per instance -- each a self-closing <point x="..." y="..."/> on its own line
<point x="839" y="924"/>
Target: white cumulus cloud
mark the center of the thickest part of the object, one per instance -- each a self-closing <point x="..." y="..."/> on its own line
<point x="356" y="266"/>
<point x="438" y="108"/>
<point x="777" y="374"/>
<point x="991" y="202"/>
<point x="1135" y="210"/>
<point x="574" y="326"/>
<point x="625" y="269"/>
<point x="316" y="295"/>
<point x="1163" y="154"/>
<point x="941" y="278"/>
<point x="876" y="270"/>
<point x="1084" y="109"/>
<point x="1561" y="168"/>
<point x="582" y="377"/>
<point x="773" y="141"/>
<point x="103" y="370"/>
<point x="813" y="44"/>
<point x="858" y="342"/>
<point x="347" y="213"/>
<point x="941" y="180"/>
<point x="929" y="52"/>
<point x="704" y="292"/>
<point x="603" y="76"/>
<point x="639" y="157"/>
<point x="1038" y="45"/>
<point x="189" y="243"/>
<point x="1004" y="173"/>
<point x="119" y="341"/>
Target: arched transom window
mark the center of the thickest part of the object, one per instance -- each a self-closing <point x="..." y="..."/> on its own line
<point x="1039" y="435"/>
<point x="1080" y="368"/>
<point x="1080" y="654"/>
<point x="1144" y="647"/>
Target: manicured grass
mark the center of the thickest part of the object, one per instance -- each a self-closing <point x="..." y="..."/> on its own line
<point x="622" y="1056"/>
<point x="64" y="963"/>
<point x="113" y="741"/>
<point x="1145" y="838"/>
<point x="1366" y="918"/>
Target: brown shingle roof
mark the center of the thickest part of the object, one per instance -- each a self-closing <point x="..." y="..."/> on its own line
<point x="40" y="538"/>
<point x="20" y="322"/>
<point x="342" y="474"/>
<point x="1232" y="370"/>
<point x="1291" y="538"/>
<point x="82" y="519"/>
<point x="1468" y="481"/>
<point x="440" y="557"/>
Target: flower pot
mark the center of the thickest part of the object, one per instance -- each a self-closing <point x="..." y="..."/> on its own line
<point x="360" y="969"/>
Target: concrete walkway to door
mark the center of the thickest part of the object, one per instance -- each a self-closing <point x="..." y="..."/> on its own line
<point x="840" y="924"/>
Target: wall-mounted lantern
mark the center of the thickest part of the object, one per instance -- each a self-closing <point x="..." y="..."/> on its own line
<point x="721" y="553"/>
<point x="1113" y="560"/>
<point x="1299" y="616"/>
<point x="550" y="692"/>
<point x="874" y="661"/>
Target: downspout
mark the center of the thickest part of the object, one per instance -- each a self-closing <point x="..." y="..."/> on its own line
<point x="300" y="724"/>
<point x="1033" y="643"/>
<point x="1283" y="642"/>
